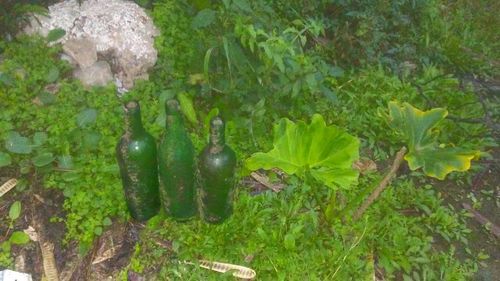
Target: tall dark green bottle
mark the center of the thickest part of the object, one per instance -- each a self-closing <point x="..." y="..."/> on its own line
<point x="137" y="158"/>
<point x="216" y="165"/>
<point x="176" y="166"/>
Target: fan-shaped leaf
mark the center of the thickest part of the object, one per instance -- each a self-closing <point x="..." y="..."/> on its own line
<point x="326" y="152"/>
<point x="417" y="127"/>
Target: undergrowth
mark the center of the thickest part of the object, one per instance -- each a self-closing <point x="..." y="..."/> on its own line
<point x="255" y="62"/>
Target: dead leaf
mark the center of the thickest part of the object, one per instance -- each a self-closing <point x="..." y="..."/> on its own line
<point x="7" y="186"/>
<point x="265" y="181"/>
<point x="364" y="166"/>
<point x="31" y="232"/>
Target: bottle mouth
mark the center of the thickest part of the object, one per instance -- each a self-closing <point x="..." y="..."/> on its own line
<point x="172" y="106"/>
<point x="131" y="105"/>
<point x="217" y="122"/>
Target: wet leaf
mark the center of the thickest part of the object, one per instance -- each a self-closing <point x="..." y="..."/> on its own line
<point x="204" y="18"/>
<point x="65" y="162"/>
<point x="15" y="210"/>
<point x="107" y="221"/>
<point x="5" y="159"/>
<point x="39" y="138"/>
<point x="52" y="75"/>
<point x="55" y="34"/>
<point x="86" y="117"/>
<point x="418" y="129"/>
<point x="43" y="159"/>
<point x="327" y="152"/>
<point x="19" y="238"/>
<point x="16" y="143"/>
<point x="187" y="108"/>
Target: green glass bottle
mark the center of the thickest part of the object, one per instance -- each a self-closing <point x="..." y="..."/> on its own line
<point x="176" y="166"/>
<point x="137" y="159"/>
<point x="216" y="165"/>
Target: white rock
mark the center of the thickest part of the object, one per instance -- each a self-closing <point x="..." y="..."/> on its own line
<point x="121" y="31"/>
<point x="82" y="51"/>
<point x="98" y="74"/>
<point x="9" y="275"/>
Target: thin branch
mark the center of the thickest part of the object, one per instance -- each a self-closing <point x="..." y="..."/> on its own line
<point x="494" y="229"/>
<point x="382" y="185"/>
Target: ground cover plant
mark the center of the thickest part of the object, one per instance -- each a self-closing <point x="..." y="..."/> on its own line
<point x="319" y="96"/>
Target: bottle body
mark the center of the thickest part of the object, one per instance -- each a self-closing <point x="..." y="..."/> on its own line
<point x="176" y="167"/>
<point x="216" y="166"/>
<point x="137" y="159"/>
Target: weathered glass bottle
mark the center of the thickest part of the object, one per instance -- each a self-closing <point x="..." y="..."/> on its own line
<point x="176" y="166"/>
<point x="137" y="159"/>
<point x="216" y="165"/>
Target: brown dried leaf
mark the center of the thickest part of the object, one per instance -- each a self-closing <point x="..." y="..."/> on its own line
<point x="365" y="166"/>
<point x="7" y="186"/>
<point x="276" y="187"/>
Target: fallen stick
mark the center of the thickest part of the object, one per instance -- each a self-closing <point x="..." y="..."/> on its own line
<point x="265" y="182"/>
<point x="494" y="229"/>
<point x="49" y="261"/>
<point x="7" y="186"/>
<point x="382" y="185"/>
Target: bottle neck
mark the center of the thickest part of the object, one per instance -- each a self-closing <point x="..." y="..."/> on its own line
<point x="133" y="122"/>
<point x="217" y="138"/>
<point x="174" y="120"/>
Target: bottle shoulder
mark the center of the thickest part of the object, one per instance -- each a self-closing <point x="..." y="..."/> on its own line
<point x="137" y="143"/>
<point x="225" y="157"/>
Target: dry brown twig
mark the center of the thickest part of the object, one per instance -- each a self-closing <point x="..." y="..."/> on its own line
<point x="494" y="229"/>
<point x="265" y="181"/>
<point x="382" y="185"/>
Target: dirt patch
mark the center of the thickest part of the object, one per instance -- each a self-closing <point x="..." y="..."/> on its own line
<point x="484" y="195"/>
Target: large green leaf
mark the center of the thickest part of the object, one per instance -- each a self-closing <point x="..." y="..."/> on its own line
<point x="16" y="143"/>
<point x="418" y="129"/>
<point x="326" y="152"/>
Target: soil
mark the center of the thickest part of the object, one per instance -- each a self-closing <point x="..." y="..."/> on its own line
<point x="110" y="253"/>
<point x="485" y="189"/>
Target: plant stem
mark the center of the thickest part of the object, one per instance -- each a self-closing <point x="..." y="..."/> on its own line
<point x="382" y="185"/>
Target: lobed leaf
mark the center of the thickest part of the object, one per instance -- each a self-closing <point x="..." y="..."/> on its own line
<point x="326" y="152"/>
<point x="419" y="130"/>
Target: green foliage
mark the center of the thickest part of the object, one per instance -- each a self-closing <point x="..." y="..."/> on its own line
<point x="16" y="238"/>
<point x="282" y="236"/>
<point x="255" y="62"/>
<point x="55" y="34"/>
<point x="5" y="159"/>
<point x="14" y="14"/>
<point x="15" y="211"/>
<point x="326" y="152"/>
<point x="418" y="130"/>
<point x="186" y="105"/>
<point x="76" y="133"/>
